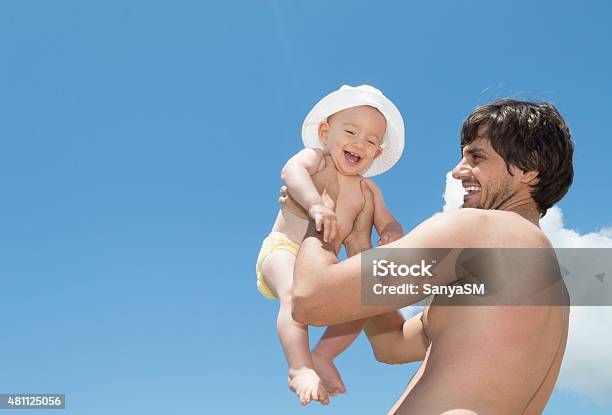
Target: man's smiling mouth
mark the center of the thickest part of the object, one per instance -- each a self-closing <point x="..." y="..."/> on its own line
<point x="471" y="189"/>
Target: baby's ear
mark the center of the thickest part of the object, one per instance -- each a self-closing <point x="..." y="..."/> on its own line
<point x="378" y="153"/>
<point x="323" y="131"/>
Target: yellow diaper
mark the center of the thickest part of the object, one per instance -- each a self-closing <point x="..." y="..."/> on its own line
<point x="274" y="241"/>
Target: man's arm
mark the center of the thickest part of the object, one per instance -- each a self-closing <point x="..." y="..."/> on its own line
<point x="326" y="291"/>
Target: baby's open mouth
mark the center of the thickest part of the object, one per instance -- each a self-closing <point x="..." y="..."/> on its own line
<point x="352" y="158"/>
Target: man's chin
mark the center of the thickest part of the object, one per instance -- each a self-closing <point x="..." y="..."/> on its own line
<point x="472" y="201"/>
<point x="470" y="206"/>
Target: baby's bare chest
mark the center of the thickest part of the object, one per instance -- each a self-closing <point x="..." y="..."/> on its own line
<point x="348" y="199"/>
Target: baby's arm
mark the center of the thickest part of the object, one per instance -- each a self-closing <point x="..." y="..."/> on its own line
<point x="387" y="227"/>
<point x="396" y="340"/>
<point x="297" y="175"/>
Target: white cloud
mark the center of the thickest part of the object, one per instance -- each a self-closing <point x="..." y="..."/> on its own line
<point x="453" y="193"/>
<point x="561" y="237"/>
<point x="607" y="232"/>
<point x="587" y="365"/>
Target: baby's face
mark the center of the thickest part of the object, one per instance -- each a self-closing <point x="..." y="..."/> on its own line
<point x="353" y="137"/>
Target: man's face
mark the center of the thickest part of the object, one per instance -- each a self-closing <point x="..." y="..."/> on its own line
<point x="353" y="137"/>
<point x="484" y="175"/>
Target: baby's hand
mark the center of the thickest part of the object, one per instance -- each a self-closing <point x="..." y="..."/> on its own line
<point x="391" y="233"/>
<point x="325" y="219"/>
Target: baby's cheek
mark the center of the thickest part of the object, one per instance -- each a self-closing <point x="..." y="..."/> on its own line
<point x="370" y="157"/>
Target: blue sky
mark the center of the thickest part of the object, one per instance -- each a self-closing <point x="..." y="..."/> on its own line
<point x="141" y="149"/>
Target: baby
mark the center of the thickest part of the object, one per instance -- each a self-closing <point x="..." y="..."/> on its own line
<point x="358" y="132"/>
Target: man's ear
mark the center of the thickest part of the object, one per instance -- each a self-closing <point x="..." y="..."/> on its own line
<point x="323" y="131"/>
<point x="529" y="177"/>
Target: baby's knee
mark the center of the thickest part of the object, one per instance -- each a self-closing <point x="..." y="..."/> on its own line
<point x="284" y="297"/>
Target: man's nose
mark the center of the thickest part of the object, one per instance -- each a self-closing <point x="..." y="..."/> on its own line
<point x="461" y="170"/>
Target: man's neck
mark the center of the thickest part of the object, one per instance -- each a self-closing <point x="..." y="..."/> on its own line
<point x="524" y="206"/>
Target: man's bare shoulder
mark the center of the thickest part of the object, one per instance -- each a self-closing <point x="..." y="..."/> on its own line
<point x="511" y="230"/>
<point x="476" y="228"/>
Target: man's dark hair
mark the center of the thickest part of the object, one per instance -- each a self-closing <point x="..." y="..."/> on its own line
<point x="531" y="136"/>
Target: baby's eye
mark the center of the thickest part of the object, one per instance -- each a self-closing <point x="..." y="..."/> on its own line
<point x="349" y="132"/>
<point x="373" y="142"/>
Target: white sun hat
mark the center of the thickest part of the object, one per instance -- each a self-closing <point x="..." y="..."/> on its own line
<point x="354" y="96"/>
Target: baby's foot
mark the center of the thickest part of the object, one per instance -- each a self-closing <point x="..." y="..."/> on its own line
<point x="307" y="386"/>
<point x="326" y="369"/>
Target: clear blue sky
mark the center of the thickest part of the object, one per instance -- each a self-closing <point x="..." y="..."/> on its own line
<point x="141" y="144"/>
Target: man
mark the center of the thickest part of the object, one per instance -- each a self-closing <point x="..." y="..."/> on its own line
<point x="478" y="358"/>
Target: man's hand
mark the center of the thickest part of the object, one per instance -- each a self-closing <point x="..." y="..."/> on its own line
<point x="289" y="204"/>
<point x="360" y="237"/>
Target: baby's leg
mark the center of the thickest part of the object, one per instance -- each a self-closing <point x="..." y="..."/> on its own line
<point x="303" y="380"/>
<point x="333" y="342"/>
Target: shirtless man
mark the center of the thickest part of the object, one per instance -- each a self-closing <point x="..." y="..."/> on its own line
<point x="477" y="359"/>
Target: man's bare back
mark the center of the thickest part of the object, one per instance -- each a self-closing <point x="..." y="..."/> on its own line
<point x="464" y="340"/>
<point x="517" y="348"/>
